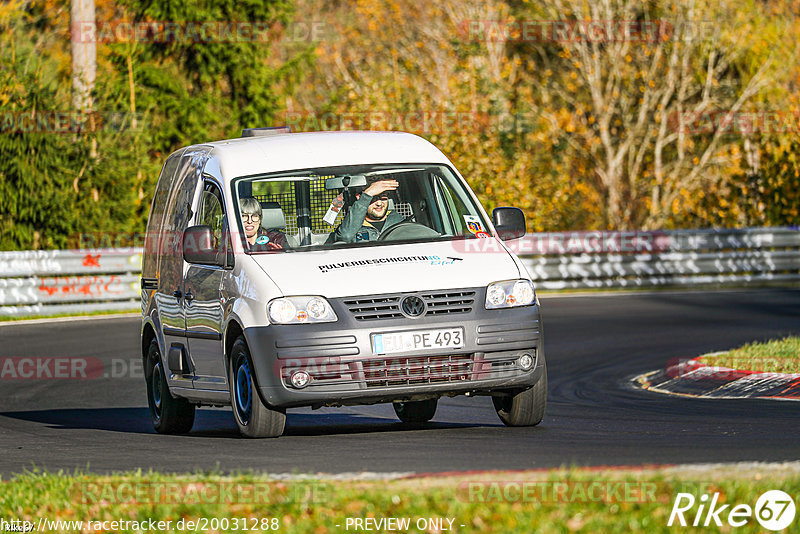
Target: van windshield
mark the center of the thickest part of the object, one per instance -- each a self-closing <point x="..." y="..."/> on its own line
<point x="354" y="206"/>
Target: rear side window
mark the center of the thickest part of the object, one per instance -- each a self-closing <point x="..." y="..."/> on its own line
<point x="165" y="181"/>
<point x="185" y="186"/>
<point x="178" y="214"/>
<point x="155" y="223"/>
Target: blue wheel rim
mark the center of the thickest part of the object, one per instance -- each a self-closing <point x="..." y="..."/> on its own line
<point x="244" y="393"/>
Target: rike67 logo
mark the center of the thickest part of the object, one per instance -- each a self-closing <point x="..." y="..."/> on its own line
<point x="774" y="510"/>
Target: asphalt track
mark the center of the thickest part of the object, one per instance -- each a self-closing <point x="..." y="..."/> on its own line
<point x="594" y="345"/>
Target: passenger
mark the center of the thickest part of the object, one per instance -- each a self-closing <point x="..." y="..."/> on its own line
<point x="259" y="238"/>
<point x="369" y="216"/>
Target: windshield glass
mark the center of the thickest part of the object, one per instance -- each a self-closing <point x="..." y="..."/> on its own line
<point x="354" y="206"/>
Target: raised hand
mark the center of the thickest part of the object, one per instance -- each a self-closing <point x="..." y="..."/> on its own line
<point x="381" y="186"/>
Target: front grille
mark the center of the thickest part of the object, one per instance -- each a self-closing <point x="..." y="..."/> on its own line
<point x="449" y="302"/>
<point x="417" y="370"/>
<point x="381" y="307"/>
<point x="388" y="306"/>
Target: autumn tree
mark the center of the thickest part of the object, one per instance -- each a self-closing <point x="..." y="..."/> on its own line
<point x="644" y="86"/>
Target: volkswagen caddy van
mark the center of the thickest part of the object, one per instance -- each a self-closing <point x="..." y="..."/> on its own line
<point x="285" y="270"/>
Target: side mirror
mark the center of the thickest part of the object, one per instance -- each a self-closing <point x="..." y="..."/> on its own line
<point x="198" y="246"/>
<point x="509" y="222"/>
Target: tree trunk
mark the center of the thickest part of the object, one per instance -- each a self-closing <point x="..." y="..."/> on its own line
<point x="84" y="53"/>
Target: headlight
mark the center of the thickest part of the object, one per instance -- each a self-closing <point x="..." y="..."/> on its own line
<point x="318" y="309"/>
<point x="300" y="310"/>
<point x="282" y="311"/>
<point x="495" y="296"/>
<point x="509" y="294"/>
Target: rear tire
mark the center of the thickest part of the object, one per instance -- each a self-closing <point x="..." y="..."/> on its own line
<point x="416" y="411"/>
<point x="523" y="408"/>
<point x="254" y="419"/>
<point x="170" y="415"/>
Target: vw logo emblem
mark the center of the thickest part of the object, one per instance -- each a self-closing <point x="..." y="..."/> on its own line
<point x="413" y="306"/>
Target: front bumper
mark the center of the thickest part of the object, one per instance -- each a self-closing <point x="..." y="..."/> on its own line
<point x="344" y="369"/>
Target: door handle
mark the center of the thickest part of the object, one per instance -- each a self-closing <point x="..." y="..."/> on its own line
<point x="177" y="294"/>
<point x="188" y="297"/>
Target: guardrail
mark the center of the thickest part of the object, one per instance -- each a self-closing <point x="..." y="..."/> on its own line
<point x="75" y="281"/>
<point x="50" y="282"/>
<point x="582" y="260"/>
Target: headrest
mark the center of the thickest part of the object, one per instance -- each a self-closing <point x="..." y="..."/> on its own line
<point x="272" y="217"/>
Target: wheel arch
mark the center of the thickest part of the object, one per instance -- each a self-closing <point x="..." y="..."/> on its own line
<point x="233" y="330"/>
<point x="148" y="335"/>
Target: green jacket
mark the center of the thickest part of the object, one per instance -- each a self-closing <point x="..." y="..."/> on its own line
<point x="354" y="222"/>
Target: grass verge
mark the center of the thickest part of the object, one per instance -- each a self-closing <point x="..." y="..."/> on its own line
<point x="564" y="500"/>
<point x="776" y="356"/>
<point x="61" y="315"/>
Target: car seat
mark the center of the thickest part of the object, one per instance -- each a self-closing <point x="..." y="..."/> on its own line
<point x="273" y="218"/>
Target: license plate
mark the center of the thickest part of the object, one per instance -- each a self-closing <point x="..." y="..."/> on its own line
<point x="443" y="338"/>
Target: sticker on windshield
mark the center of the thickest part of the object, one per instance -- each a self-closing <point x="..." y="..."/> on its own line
<point x="333" y="210"/>
<point x="473" y="224"/>
<point x="262" y="240"/>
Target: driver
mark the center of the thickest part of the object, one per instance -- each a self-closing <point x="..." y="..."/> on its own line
<point x="258" y="237"/>
<point x="369" y="216"/>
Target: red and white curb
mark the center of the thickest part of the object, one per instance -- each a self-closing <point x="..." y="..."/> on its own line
<point x="694" y="378"/>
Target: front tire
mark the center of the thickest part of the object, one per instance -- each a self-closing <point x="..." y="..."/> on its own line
<point x="254" y="419"/>
<point x="523" y="408"/>
<point x="416" y="411"/>
<point x="170" y="415"/>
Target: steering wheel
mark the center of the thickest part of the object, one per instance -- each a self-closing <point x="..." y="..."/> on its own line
<point x="408" y="230"/>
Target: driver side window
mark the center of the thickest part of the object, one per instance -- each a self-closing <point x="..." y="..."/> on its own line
<point x="212" y="213"/>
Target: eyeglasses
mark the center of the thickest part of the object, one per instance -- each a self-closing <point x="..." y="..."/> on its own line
<point x="251" y="217"/>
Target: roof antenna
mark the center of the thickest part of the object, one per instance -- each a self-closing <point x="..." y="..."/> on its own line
<point x="263" y="132"/>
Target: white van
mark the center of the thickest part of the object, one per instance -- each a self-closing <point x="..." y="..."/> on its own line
<point x="328" y="269"/>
